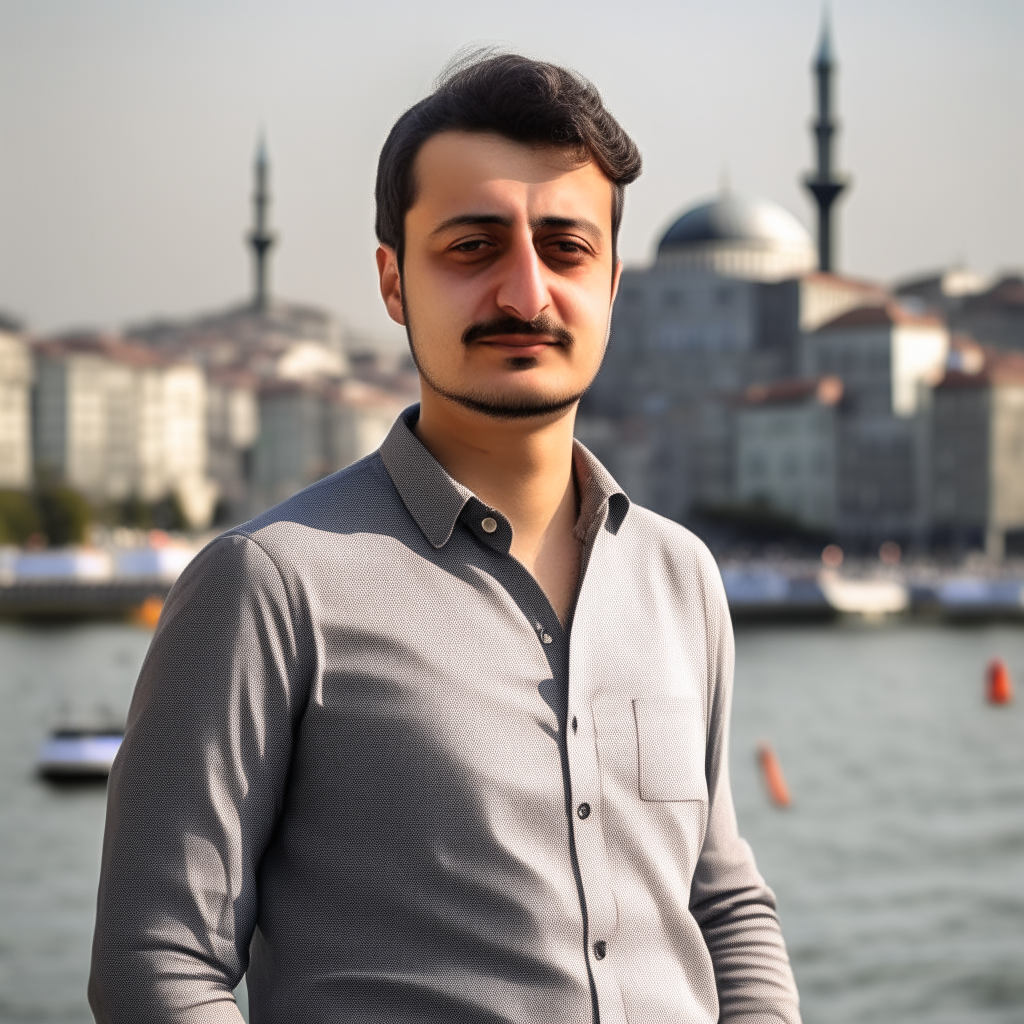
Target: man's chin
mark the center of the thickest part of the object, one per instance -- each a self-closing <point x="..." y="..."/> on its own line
<point x="509" y="405"/>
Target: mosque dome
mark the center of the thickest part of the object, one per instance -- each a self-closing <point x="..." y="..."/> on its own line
<point x="739" y="236"/>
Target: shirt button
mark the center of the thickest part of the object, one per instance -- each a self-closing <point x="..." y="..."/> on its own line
<point x="583" y="811"/>
<point x="488" y="524"/>
<point x="545" y="638"/>
<point x="600" y="949"/>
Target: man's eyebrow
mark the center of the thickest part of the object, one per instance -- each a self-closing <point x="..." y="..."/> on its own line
<point x="472" y="219"/>
<point x="575" y="223"/>
<point x="469" y="219"/>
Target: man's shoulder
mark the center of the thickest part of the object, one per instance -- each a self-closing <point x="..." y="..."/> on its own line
<point x="339" y="503"/>
<point x="351" y="503"/>
<point x="664" y="536"/>
<point x="668" y="549"/>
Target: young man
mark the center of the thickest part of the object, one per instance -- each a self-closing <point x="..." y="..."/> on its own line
<point x="443" y="738"/>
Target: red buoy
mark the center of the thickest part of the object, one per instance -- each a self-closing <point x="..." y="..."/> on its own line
<point x="774" y="780"/>
<point x="999" y="689"/>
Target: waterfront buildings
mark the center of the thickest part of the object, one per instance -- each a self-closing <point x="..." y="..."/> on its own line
<point x="995" y="316"/>
<point x="312" y="428"/>
<point x="729" y="302"/>
<point x="15" y="418"/>
<point x="735" y="290"/>
<point x="232" y="427"/>
<point x="887" y="359"/>
<point x="977" y="446"/>
<point x="287" y="401"/>
<point x="990" y="311"/>
<point x="787" y="450"/>
<point x="744" y="375"/>
<point x="119" y="422"/>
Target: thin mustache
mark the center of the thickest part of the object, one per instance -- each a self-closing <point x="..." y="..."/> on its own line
<point x="540" y="326"/>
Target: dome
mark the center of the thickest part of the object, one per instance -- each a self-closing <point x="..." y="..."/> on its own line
<point x="740" y="235"/>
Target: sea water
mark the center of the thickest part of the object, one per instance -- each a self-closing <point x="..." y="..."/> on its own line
<point x="899" y="866"/>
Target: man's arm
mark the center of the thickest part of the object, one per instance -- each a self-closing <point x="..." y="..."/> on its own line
<point x="729" y="899"/>
<point x="195" y="792"/>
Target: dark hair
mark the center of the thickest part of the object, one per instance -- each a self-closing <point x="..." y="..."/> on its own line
<point x="524" y="100"/>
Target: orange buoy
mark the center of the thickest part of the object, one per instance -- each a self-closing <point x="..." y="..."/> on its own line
<point x="999" y="689"/>
<point x="148" y="613"/>
<point x="774" y="780"/>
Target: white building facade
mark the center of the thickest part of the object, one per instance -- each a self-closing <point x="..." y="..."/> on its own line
<point x="309" y="429"/>
<point x="787" y="447"/>
<point x="117" y="421"/>
<point x="977" y="464"/>
<point x="15" y="412"/>
<point x="888" y="360"/>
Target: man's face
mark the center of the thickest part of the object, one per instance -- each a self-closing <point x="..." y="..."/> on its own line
<point x="508" y="280"/>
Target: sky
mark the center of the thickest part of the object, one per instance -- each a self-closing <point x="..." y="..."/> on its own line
<point x="128" y="129"/>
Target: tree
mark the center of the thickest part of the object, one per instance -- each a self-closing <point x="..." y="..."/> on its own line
<point x="64" y="514"/>
<point x="19" y="517"/>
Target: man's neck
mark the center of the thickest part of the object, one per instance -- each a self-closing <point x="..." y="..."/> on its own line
<point x="522" y="468"/>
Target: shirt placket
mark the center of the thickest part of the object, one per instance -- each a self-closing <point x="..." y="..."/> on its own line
<point x="587" y="831"/>
<point x="586" y="834"/>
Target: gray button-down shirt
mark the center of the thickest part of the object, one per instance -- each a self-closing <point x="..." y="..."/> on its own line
<point x="366" y="766"/>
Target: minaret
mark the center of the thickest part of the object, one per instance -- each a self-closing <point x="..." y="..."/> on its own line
<point x="261" y="239"/>
<point x="825" y="184"/>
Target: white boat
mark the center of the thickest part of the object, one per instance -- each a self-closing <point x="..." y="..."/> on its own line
<point x="869" y="597"/>
<point x="71" y="754"/>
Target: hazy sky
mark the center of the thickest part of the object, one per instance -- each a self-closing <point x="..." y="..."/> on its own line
<point x="127" y="130"/>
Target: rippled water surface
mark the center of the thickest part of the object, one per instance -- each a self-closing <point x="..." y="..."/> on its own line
<point x="899" y="868"/>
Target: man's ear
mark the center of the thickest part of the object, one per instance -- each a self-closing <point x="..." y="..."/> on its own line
<point x="616" y="277"/>
<point x="390" y="282"/>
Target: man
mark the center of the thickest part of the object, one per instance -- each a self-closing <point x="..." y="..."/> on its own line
<point x="443" y="738"/>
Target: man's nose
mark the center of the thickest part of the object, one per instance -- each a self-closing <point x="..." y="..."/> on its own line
<point x="522" y="291"/>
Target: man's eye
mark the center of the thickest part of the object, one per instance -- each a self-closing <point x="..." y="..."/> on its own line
<point x="475" y="245"/>
<point x="567" y="247"/>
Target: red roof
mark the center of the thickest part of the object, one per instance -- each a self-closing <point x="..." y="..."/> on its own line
<point x="855" y="284"/>
<point x="999" y="369"/>
<point x="888" y="314"/>
<point x="1007" y="294"/>
<point x="825" y="390"/>
<point x="105" y="345"/>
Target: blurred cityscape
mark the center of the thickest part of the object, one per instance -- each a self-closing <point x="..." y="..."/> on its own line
<point x="751" y="390"/>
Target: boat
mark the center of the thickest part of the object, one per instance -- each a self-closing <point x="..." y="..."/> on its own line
<point x="966" y="597"/>
<point x="871" y="597"/>
<point x="72" y="754"/>
<point x="765" y="592"/>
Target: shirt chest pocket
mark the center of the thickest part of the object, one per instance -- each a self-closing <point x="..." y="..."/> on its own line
<point x="670" y="748"/>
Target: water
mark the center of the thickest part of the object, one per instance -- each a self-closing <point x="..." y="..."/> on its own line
<point x="899" y="868"/>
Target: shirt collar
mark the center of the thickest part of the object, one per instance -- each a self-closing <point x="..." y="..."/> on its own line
<point x="435" y="500"/>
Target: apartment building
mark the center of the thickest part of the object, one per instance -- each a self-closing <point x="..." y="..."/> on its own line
<point x="117" y="420"/>
<point x="977" y="464"/>
<point x="15" y="412"/>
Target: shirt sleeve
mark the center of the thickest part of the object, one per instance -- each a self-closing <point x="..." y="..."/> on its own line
<point x="195" y="792"/>
<point x="729" y="899"/>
